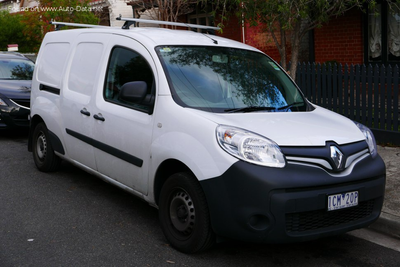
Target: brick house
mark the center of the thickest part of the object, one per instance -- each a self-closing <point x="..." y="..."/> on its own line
<point x="357" y="37"/>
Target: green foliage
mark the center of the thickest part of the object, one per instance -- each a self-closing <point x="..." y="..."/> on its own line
<point x="28" y="27"/>
<point x="37" y="19"/>
<point x="76" y="11"/>
<point x="11" y="29"/>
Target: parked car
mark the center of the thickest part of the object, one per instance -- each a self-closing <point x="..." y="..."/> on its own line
<point x="210" y="131"/>
<point x="15" y="90"/>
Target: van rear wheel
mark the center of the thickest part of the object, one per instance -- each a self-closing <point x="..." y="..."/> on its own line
<point x="184" y="215"/>
<point x="43" y="153"/>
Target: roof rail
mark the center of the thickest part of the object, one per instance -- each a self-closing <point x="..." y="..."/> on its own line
<point x="130" y="21"/>
<point x="59" y="25"/>
<point x="133" y="21"/>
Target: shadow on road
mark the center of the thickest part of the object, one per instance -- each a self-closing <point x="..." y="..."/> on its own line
<point x="14" y="134"/>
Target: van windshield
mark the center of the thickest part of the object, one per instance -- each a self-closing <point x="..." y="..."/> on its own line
<point x="220" y="79"/>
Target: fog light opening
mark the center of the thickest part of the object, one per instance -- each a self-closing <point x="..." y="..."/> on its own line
<point x="259" y="222"/>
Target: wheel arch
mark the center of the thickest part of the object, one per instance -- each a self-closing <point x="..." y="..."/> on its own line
<point x="54" y="139"/>
<point x="164" y="171"/>
<point x="35" y="120"/>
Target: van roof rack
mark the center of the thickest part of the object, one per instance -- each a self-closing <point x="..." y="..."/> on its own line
<point x="134" y="21"/>
<point x="59" y="25"/>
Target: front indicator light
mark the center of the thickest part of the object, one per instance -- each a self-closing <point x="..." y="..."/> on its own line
<point x="250" y="147"/>
<point x="2" y="103"/>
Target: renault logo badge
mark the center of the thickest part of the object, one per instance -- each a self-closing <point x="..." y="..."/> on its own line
<point x="337" y="157"/>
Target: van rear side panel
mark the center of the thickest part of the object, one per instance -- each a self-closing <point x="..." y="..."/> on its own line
<point x="48" y="78"/>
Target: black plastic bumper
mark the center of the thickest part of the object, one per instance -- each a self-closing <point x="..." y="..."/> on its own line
<point x="261" y="204"/>
<point x="14" y="117"/>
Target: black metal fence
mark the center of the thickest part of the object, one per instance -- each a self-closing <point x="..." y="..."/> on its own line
<point x="367" y="94"/>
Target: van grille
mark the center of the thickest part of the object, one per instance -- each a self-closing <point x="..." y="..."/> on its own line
<point x="313" y="220"/>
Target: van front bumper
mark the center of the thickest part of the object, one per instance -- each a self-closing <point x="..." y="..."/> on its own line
<point x="271" y="205"/>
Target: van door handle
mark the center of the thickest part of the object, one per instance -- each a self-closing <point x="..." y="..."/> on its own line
<point x="99" y="117"/>
<point x="85" y="112"/>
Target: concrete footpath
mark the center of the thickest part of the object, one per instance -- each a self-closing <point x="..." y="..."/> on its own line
<point x="389" y="221"/>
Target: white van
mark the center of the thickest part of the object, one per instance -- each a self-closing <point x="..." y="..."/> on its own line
<point x="210" y="131"/>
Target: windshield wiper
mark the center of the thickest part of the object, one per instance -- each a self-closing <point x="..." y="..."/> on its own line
<point x="248" y="109"/>
<point x="289" y="106"/>
<point x="259" y="108"/>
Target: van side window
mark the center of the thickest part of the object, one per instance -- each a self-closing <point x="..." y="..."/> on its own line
<point x="127" y="66"/>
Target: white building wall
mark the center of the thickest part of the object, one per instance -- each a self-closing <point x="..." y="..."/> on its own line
<point x="119" y="7"/>
<point x="30" y="3"/>
<point x="10" y="6"/>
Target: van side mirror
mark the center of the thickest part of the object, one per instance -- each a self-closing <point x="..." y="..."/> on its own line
<point x="133" y="91"/>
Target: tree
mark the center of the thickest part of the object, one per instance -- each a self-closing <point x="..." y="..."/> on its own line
<point x="287" y="21"/>
<point x="37" y="19"/>
<point x="166" y="10"/>
<point x="11" y="29"/>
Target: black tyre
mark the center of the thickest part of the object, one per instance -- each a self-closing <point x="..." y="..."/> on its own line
<point x="184" y="215"/>
<point x="43" y="153"/>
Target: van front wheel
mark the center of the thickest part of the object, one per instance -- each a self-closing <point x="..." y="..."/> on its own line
<point x="184" y="215"/>
<point x="43" y="153"/>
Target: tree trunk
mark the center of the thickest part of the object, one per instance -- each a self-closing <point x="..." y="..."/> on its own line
<point x="282" y="50"/>
<point x="295" y="43"/>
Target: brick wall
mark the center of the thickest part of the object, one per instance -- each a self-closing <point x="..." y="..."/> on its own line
<point x="257" y="36"/>
<point x="341" y="39"/>
<point x="232" y="29"/>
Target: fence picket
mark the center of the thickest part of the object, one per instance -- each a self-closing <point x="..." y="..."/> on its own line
<point x="357" y="94"/>
<point x="382" y="106"/>
<point x="376" y="97"/>
<point x="319" y="86"/>
<point x="334" y="88"/>
<point x="352" y="91"/>
<point x="313" y="82"/>
<point x="396" y="99"/>
<point x="340" y="88"/>
<point x="346" y="91"/>
<point x="364" y="94"/>
<point x="370" y="89"/>
<point x="389" y="97"/>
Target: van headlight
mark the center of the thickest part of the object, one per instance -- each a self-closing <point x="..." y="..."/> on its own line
<point x="250" y="147"/>
<point x="369" y="137"/>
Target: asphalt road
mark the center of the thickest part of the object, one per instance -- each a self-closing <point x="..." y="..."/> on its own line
<point x="70" y="218"/>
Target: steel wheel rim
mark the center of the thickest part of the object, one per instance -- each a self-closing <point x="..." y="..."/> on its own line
<point x="182" y="212"/>
<point x="41" y="147"/>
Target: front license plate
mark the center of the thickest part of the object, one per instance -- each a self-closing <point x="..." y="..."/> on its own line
<point x="341" y="201"/>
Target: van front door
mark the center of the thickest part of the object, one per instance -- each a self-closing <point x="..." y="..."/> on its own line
<point x="123" y="127"/>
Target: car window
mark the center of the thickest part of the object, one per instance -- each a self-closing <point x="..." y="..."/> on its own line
<point x="220" y="79"/>
<point x="16" y="69"/>
<point x="126" y="65"/>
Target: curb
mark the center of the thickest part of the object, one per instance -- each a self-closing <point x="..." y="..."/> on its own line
<point x="387" y="224"/>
